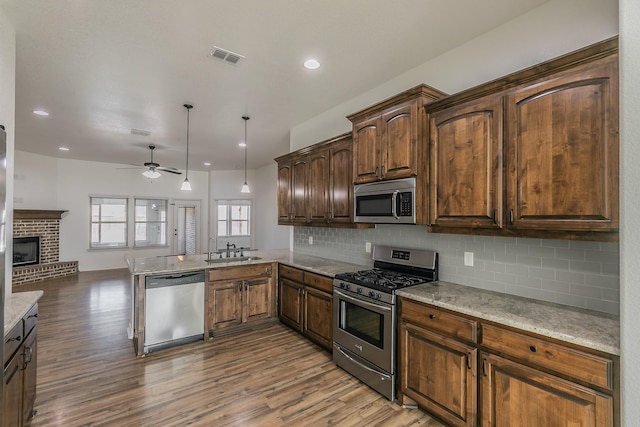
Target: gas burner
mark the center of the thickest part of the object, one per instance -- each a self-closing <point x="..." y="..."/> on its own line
<point x="379" y="278"/>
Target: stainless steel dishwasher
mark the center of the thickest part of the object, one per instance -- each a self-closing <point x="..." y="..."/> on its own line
<point x="173" y="309"/>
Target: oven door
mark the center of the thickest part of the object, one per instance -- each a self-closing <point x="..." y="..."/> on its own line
<point x="365" y="329"/>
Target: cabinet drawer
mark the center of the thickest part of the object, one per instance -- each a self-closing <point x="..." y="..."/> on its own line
<point x="319" y="282"/>
<point x="438" y="320"/>
<point x="243" y="272"/>
<point x="12" y="341"/>
<point x="574" y="363"/>
<point x="291" y="273"/>
<point x="30" y="319"/>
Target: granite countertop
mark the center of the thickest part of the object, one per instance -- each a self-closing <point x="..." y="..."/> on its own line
<point x="591" y="329"/>
<point x="17" y="305"/>
<point x="167" y="264"/>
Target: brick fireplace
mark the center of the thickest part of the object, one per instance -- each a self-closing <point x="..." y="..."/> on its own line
<point x="44" y="224"/>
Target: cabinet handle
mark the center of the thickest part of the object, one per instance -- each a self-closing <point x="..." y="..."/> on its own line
<point x="468" y="360"/>
<point x="432" y="316"/>
<point x="484" y="367"/>
<point x="494" y="216"/>
<point x="382" y="171"/>
<point x="18" y="338"/>
<point x="533" y="348"/>
<point x="33" y="315"/>
<point x="511" y="217"/>
<point x="28" y="353"/>
<point x="377" y="176"/>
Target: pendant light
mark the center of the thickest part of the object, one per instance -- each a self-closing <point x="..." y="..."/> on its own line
<point x="245" y="186"/>
<point x="186" y="185"/>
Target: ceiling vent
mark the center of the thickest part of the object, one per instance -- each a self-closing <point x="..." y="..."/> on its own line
<point x="225" y="55"/>
<point x="140" y="132"/>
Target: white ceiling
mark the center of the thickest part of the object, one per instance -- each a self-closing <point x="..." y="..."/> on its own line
<point x="104" y="67"/>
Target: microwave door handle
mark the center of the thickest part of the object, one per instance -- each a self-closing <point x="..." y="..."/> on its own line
<point x="394" y="198"/>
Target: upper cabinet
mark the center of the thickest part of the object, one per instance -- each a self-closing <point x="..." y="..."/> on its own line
<point x="533" y="154"/>
<point x="388" y="137"/>
<point x="315" y="184"/>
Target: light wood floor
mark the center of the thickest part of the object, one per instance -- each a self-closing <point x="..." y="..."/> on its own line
<point x="88" y="374"/>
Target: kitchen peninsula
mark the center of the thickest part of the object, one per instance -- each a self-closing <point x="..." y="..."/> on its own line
<point x="238" y="290"/>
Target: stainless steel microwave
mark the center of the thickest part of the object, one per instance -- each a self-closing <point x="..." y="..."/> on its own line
<point x="386" y="202"/>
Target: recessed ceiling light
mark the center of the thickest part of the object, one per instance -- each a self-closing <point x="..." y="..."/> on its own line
<point x="311" y="64"/>
<point x="63" y="148"/>
<point x="207" y="163"/>
<point x="40" y="113"/>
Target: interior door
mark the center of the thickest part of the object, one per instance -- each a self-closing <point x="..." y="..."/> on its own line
<point x="186" y="227"/>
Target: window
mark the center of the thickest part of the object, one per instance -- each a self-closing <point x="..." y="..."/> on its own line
<point x="233" y="218"/>
<point x="108" y="222"/>
<point x="150" y="222"/>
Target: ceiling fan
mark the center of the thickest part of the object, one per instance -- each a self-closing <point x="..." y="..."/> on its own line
<point x="153" y="168"/>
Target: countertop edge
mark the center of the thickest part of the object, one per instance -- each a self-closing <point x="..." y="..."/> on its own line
<point x="17" y="305"/>
<point x="578" y="326"/>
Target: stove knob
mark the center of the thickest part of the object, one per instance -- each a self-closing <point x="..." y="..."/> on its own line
<point x="359" y="291"/>
<point x="347" y="287"/>
<point x="378" y="296"/>
<point x="372" y="294"/>
<point x="341" y="285"/>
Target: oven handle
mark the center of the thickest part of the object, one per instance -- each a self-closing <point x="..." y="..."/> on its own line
<point x="361" y="302"/>
<point x="394" y="198"/>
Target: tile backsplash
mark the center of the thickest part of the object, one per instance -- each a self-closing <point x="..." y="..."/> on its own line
<point x="575" y="273"/>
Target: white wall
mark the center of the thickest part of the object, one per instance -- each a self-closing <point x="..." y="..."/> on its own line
<point x="555" y="28"/>
<point x="49" y="183"/>
<point x="630" y="206"/>
<point x="7" y="118"/>
<point x="269" y="235"/>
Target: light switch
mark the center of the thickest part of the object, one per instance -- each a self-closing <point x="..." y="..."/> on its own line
<point x="468" y="259"/>
<point x="311" y="240"/>
<point x="367" y="247"/>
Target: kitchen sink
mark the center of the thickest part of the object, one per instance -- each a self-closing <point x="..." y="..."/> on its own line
<point x="232" y="259"/>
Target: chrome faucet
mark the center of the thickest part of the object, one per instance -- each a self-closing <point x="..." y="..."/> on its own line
<point x="229" y="246"/>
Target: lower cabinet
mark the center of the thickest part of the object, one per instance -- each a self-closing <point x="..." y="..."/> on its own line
<point x="468" y="372"/>
<point x="239" y="297"/>
<point x="306" y="304"/>
<point x="20" y="366"/>
<point x="438" y="363"/>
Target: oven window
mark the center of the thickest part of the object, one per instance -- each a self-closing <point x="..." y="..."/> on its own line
<point x="379" y="205"/>
<point x="362" y="323"/>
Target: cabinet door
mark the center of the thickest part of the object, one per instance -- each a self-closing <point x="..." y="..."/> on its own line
<point x="399" y="149"/>
<point x="30" y="363"/>
<point x="318" y="317"/>
<point x="515" y="395"/>
<point x="291" y="303"/>
<point x="466" y="165"/>
<point x="12" y="400"/>
<point x="562" y="141"/>
<point x="299" y="188"/>
<point x="366" y="150"/>
<point x="439" y="373"/>
<point x="258" y="300"/>
<point x="319" y="165"/>
<point x="341" y="182"/>
<point x="225" y="305"/>
<point x="284" y="192"/>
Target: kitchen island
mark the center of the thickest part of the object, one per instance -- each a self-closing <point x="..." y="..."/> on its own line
<point x="239" y="290"/>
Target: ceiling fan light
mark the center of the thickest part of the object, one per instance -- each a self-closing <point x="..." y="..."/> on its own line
<point x="151" y="174"/>
<point x="245" y="188"/>
<point x="186" y="185"/>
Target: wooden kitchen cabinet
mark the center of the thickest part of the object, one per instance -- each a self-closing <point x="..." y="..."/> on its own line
<point x="388" y="137"/>
<point x="533" y="154"/>
<point x="20" y="369"/>
<point x="239" y="297"/>
<point x="306" y="304"/>
<point x="438" y="362"/>
<point x="530" y="381"/>
<point x="315" y="185"/>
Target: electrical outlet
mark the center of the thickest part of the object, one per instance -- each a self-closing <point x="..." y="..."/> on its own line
<point x="468" y="259"/>
<point x="367" y="247"/>
<point x="311" y="240"/>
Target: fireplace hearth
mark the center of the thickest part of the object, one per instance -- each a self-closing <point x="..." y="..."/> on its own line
<point x="26" y="251"/>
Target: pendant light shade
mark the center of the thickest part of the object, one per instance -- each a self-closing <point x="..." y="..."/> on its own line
<point x="186" y="185"/>
<point x="245" y="186"/>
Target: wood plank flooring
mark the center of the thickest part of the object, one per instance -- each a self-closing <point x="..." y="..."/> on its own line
<point x="88" y="374"/>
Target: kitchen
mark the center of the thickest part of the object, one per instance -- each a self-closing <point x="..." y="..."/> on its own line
<point x="324" y="241"/>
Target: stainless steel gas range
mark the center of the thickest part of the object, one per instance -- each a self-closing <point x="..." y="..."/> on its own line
<point x="364" y="313"/>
